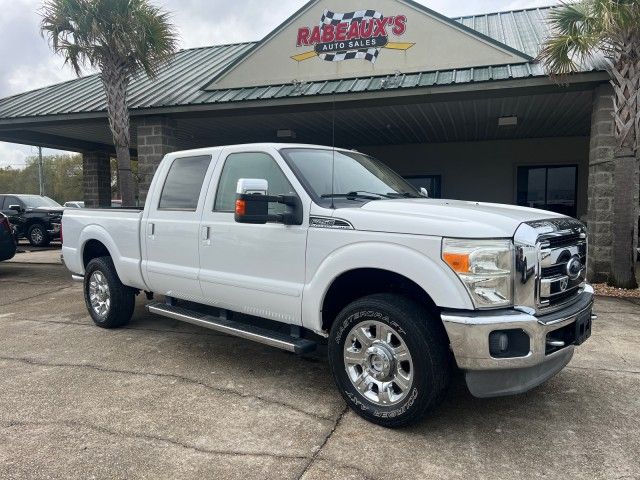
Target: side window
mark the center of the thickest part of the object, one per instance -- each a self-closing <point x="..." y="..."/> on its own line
<point x="11" y="201"/>
<point x="250" y="165"/>
<point x="183" y="184"/>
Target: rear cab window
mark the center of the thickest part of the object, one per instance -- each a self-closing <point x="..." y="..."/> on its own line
<point x="183" y="184"/>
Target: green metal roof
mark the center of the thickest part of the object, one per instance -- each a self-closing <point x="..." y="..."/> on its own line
<point x="181" y="82"/>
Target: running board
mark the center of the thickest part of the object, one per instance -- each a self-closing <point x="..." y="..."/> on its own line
<point x="236" y="329"/>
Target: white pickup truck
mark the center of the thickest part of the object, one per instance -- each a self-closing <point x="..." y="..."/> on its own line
<point x="294" y="245"/>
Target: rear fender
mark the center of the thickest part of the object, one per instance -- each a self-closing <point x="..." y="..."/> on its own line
<point x="128" y="269"/>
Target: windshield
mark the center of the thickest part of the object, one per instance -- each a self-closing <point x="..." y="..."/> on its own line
<point x="357" y="177"/>
<point x="35" y="201"/>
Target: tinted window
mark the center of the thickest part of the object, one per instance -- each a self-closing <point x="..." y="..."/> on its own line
<point x="184" y="182"/>
<point x="548" y="188"/>
<point x="250" y="165"/>
<point x="11" y="201"/>
<point x="36" y="201"/>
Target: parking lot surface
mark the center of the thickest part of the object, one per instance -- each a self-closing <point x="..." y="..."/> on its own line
<point x="161" y="399"/>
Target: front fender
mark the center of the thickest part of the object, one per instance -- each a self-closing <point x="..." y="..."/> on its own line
<point x="438" y="281"/>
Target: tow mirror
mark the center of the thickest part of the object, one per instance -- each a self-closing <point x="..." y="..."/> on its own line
<point x="252" y="204"/>
<point x="17" y="208"/>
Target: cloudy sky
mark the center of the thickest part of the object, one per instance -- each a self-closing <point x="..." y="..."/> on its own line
<point x="27" y="63"/>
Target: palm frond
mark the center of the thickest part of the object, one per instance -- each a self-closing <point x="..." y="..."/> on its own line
<point x="577" y="35"/>
<point x="132" y="34"/>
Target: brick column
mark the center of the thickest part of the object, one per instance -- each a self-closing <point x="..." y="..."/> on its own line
<point x="96" y="179"/>
<point x="601" y="185"/>
<point x="156" y="138"/>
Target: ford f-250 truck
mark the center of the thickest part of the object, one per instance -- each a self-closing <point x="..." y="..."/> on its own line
<point x="290" y="245"/>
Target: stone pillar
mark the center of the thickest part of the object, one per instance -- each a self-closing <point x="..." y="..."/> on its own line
<point x="96" y="179"/>
<point x="156" y="138"/>
<point x="601" y="185"/>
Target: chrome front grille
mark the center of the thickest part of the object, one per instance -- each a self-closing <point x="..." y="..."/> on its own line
<point x="551" y="258"/>
<point x="562" y="269"/>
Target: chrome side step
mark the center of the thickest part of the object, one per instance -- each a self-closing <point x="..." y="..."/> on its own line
<point x="236" y="329"/>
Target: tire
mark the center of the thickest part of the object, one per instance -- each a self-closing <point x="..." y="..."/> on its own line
<point x="113" y="303"/>
<point x="38" y="236"/>
<point x="411" y="386"/>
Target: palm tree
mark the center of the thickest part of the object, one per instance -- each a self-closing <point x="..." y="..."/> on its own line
<point x="119" y="38"/>
<point x="611" y="29"/>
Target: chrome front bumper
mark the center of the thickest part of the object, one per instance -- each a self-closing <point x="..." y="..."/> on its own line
<point x="489" y="376"/>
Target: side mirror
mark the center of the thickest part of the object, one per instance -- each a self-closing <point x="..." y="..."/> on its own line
<point x="424" y="192"/>
<point x="17" y="208"/>
<point x="252" y="204"/>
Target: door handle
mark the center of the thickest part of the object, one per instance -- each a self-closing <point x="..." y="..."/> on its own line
<point x="151" y="229"/>
<point x="206" y="235"/>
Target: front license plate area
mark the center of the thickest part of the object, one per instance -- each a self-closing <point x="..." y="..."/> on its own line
<point x="583" y="327"/>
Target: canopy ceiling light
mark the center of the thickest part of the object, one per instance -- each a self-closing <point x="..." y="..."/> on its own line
<point x="508" y="121"/>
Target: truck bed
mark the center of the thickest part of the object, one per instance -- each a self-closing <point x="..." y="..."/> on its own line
<point x="118" y="229"/>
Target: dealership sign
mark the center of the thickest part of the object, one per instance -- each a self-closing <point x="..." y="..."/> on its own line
<point x="353" y="35"/>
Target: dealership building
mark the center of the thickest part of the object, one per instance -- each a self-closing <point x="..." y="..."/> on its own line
<point x="456" y="105"/>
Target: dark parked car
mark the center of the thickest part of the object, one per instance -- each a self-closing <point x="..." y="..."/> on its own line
<point x="34" y="217"/>
<point x="7" y="240"/>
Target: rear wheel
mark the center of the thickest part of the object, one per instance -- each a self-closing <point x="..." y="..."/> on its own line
<point x="109" y="302"/>
<point x="38" y="236"/>
<point x="389" y="359"/>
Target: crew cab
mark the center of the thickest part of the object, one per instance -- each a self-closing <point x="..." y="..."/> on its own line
<point x="36" y="218"/>
<point x="296" y="245"/>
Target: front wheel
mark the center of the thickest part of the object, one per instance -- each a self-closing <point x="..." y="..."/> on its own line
<point x="389" y="359"/>
<point x="109" y="302"/>
<point x="38" y="236"/>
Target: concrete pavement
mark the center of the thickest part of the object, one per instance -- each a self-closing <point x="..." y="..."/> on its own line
<point x="28" y="254"/>
<point x="161" y="399"/>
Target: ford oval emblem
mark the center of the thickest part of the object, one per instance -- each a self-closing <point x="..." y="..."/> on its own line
<point x="564" y="284"/>
<point x="574" y="267"/>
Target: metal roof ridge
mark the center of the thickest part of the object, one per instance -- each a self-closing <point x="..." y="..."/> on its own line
<point x="217" y="45"/>
<point x="458" y="18"/>
<point x="58" y="84"/>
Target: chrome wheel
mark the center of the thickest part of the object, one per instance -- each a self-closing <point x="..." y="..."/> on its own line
<point x="99" y="294"/>
<point x="378" y="362"/>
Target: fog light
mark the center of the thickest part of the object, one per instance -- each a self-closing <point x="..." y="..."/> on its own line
<point x="509" y="343"/>
<point x="498" y="342"/>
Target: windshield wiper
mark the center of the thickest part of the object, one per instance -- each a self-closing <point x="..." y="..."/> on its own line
<point x="357" y="194"/>
<point x="401" y="195"/>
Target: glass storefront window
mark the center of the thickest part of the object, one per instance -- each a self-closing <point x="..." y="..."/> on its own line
<point x="433" y="184"/>
<point x="549" y="188"/>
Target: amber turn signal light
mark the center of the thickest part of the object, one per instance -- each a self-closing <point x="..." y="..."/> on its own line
<point x="459" y="262"/>
<point x="241" y="207"/>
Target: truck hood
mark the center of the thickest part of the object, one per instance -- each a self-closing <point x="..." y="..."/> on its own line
<point x="447" y="218"/>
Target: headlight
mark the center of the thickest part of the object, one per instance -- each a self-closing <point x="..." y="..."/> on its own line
<point x="485" y="268"/>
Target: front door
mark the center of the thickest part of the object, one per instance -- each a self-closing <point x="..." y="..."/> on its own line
<point x="14" y="215"/>
<point x="171" y="229"/>
<point x="254" y="269"/>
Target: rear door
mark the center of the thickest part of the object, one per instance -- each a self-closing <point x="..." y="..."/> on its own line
<point x="171" y="226"/>
<point x="254" y="269"/>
